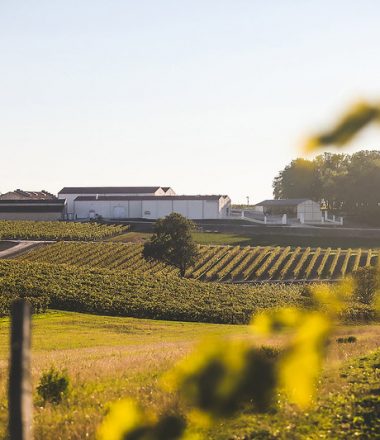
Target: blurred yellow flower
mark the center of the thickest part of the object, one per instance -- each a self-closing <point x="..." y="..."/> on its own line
<point x="123" y="417"/>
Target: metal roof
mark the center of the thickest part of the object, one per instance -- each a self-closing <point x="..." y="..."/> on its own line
<point x="136" y="198"/>
<point x="282" y="202"/>
<point x="32" y="205"/>
<point x="109" y="189"/>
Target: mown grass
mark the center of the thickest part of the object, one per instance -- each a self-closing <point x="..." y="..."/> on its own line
<point x="131" y="237"/>
<point x="108" y="358"/>
<point x="274" y="239"/>
<point x="262" y="238"/>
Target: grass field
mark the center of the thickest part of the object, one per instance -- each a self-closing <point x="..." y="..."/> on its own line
<point x="109" y="358"/>
<point x="275" y="239"/>
<point x="264" y="238"/>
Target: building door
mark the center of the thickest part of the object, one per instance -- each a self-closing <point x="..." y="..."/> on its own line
<point x="119" y="212"/>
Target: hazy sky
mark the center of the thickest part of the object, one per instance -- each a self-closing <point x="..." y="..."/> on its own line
<point x="204" y="96"/>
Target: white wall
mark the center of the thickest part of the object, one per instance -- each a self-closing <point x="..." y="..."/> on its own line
<point x="153" y="209"/>
<point x="195" y="209"/>
<point x="211" y="208"/>
<point x="310" y="210"/>
<point x="164" y="208"/>
<point x="71" y="197"/>
<point x="135" y="209"/>
<point x="224" y="207"/>
<point x="181" y="207"/>
<point x="69" y="202"/>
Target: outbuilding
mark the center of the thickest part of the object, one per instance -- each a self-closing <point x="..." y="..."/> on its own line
<point x="41" y="210"/>
<point x="305" y="210"/>
<point x="31" y="205"/>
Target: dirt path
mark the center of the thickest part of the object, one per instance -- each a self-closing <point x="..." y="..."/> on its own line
<point x="19" y="247"/>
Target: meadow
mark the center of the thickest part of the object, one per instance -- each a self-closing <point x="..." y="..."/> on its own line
<point x="108" y="358"/>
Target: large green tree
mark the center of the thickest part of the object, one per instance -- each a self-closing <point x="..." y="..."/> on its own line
<point x="172" y="242"/>
<point x="297" y="180"/>
<point x="346" y="183"/>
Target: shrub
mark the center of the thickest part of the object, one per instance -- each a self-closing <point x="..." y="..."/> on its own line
<point x="359" y="313"/>
<point x="367" y="282"/>
<point x="348" y="340"/>
<point x="53" y="386"/>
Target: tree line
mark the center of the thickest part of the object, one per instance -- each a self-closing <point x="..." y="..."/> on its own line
<point x="343" y="183"/>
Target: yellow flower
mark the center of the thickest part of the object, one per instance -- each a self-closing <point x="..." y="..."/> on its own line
<point x="123" y="417"/>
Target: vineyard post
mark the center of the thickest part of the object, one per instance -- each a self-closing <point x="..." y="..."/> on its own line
<point x="20" y="389"/>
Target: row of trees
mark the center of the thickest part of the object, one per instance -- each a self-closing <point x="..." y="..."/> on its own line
<point x="341" y="182"/>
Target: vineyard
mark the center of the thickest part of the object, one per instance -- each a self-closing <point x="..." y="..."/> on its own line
<point x="29" y="230"/>
<point x="217" y="263"/>
<point x="136" y="294"/>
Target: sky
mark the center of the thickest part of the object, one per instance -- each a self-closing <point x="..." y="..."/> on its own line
<point x="209" y="96"/>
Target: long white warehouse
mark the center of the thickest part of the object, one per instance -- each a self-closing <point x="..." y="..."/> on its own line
<point x="70" y="193"/>
<point x="151" y="206"/>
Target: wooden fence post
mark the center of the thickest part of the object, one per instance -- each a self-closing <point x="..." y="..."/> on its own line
<point x="20" y="387"/>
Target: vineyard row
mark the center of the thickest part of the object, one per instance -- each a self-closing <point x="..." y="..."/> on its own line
<point x="216" y="263"/>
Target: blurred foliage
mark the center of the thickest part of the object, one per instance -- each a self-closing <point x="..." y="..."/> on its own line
<point x="221" y="377"/>
<point x="126" y="421"/>
<point x="359" y="116"/>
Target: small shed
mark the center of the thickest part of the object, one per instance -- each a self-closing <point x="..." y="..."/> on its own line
<point x="305" y="210"/>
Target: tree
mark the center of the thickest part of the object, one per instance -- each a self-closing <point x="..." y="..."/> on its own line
<point x="332" y="170"/>
<point x="172" y="242"/>
<point x="297" y="180"/>
<point x="348" y="184"/>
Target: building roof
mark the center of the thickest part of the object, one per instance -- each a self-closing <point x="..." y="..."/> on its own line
<point x="19" y="194"/>
<point x="136" y="198"/>
<point x="33" y="205"/>
<point x="109" y="189"/>
<point x="282" y="202"/>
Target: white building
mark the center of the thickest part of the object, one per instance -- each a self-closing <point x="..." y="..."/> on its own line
<point x="305" y="210"/>
<point x="152" y="207"/>
<point x="71" y="193"/>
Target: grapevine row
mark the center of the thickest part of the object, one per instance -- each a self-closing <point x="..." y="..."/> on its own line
<point x="220" y="263"/>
